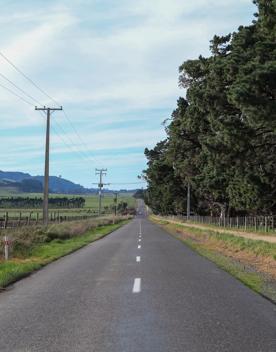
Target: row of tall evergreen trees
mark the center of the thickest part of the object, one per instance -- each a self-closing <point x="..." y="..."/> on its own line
<point x="221" y="138"/>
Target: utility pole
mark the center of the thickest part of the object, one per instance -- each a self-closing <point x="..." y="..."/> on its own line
<point x="115" y="202"/>
<point x="101" y="173"/>
<point x="188" y="201"/>
<point x="46" y="170"/>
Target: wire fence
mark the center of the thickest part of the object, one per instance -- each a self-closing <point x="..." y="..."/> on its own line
<point x="243" y="223"/>
<point x="18" y="219"/>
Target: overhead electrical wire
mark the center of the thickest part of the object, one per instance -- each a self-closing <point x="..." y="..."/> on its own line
<point x="43" y="114"/>
<point x="18" y="96"/>
<point x="69" y="145"/>
<point x="127" y="183"/>
<point x="72" y="145"/>
<point x="80" y="138"/>
<point x="18" y="88"/>
<point x="48" y="96"/>
<point x="26" y="77"/>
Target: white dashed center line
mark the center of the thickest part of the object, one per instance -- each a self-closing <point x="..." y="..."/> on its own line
<point x="138" y="259"/>
<point x="139" y="246"/>
<point x="139" y="240"/>
<point x="137" y="285"/>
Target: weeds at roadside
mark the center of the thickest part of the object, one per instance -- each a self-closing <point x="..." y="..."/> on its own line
<point x="35" y="248"/>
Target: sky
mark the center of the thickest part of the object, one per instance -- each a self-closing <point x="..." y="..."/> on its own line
<point x="112" y="65"/>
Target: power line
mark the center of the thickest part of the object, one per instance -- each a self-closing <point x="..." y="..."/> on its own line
<point x="80" y="138"/>
<point x="42" y="113"/>
<point x="127" y="183"/>
<point x="48" y="96"/>
<point x="18" y="96"/>
<point x="87" y="158"/>
<point x="70" y="146"/>
<point x="27" y="78"/>
<point x="21" y="90"/>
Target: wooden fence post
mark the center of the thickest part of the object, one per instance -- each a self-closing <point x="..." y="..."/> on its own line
<point x="29" y="218"/>
<point x="6" y="220"/>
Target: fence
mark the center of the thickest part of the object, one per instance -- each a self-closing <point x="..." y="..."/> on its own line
<point x="12" y="220"/>
<point x="245" y="223"/>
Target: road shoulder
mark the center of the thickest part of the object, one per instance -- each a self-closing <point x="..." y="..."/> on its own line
<point x="250" y="261"/>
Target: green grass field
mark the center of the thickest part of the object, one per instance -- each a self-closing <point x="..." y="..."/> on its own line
<point x="90" y="208"/>
<point x="91" y="201"/>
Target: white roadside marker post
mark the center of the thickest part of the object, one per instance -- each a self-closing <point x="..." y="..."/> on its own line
<point x="6" y="247"/>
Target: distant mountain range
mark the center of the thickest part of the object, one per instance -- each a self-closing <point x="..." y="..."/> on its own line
<point x="24" y="182"/>
<point x="56" y="184"/>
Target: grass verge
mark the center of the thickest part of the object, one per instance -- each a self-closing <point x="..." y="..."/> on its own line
<point x="250" y="261"/>
<point x="43" y="253"/>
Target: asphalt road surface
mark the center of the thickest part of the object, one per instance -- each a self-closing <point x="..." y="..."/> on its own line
<point x="131" y="293"/>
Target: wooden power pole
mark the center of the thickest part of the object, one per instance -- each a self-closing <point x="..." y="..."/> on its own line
<point x="46" y="170"/>
<point x="115" y="203"/>
<point x="101" y="173"/>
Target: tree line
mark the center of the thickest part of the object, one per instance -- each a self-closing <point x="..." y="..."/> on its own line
<point x="27" y="202"/>
<point x="221" y="138"/>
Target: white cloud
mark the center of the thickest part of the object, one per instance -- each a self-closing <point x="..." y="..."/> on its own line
<point x="107" y="64"/>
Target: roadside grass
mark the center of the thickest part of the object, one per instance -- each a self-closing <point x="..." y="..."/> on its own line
<point x="247" y="260"/>
<point x="249" y="229"/>
<point x="257" y="247"/>
<point x="40" y="254"/>
<point x="250" y="279"/>
<point x="12" y="271"/>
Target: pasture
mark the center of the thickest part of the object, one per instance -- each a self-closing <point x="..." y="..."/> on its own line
<point x="90" y="208"/>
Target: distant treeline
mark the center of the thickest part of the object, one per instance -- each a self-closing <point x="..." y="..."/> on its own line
<point x="221" y="138"/>
<point x="26" y="202"/>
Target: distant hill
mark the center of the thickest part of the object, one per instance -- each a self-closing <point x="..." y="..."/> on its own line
<point x="13" y="176"/>
<point x="26" y="185"/>
<point x="24" y="182"/>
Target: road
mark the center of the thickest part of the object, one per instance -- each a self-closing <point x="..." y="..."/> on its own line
<point x="120" y="294"/>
